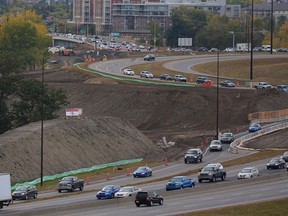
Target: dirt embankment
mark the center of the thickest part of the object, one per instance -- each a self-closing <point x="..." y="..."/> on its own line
<point x="124" y="121"/>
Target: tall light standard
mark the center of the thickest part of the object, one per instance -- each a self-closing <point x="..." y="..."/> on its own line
<point x="252" y="43"/>
<point x="42" y="117"/>
<point x="272" y="25"/>
<point x="233" y="35"/>
<point x="217" y="99"/>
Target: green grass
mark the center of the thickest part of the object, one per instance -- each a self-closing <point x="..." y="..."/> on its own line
<point x="267" y="208"/>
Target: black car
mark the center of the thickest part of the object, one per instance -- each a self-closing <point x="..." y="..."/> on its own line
<point x="227" y="83"/>
<point x="149" y="57"/>
<point x="193" y="156"/>
<point x="25" y="192"/>
<point x="276" y="163"/>
<point x="202" y="80"/>
<point x="166" y="77"/>
<point x="148" y="198"/>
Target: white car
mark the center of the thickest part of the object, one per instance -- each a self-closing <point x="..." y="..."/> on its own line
<point x="127" y="191"/>
<point x="128" y="72"/>
<point x="263" y="85"/>
<point x="146" y="74"/>
<point x="215" y="145"/>
<point x="248" y="172"/>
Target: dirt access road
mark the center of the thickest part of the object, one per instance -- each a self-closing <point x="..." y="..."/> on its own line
<point x="127" y="120"/>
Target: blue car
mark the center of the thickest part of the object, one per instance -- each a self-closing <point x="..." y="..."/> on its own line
<point x="179" y="182"/>
<point x="142" y="172"/>
<point x="254" y="127"/>
<point x="108" y="192"/>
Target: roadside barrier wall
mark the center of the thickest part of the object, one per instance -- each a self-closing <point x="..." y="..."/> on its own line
<point x="267" y="117"/>
<point x="75" y="172"/>
<point x="238" y="142"/>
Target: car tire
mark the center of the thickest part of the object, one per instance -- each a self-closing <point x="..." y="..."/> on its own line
<point x="138" y="205"/>
<point x="81" y="187"/>
<point x="35" y="196"/>
<point x="161" y="202"/>
<point x="72" y="189"/>
<point x="214" y="179"/>
<point x="59" y="191"/>
<point x="200" y="180"/>
<point x="112" y="196"/>
<point x="223" y="178"/>
<point x="26" y="197"/>
<point x="150" y="203"/>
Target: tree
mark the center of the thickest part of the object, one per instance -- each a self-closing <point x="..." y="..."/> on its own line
<point x="186" y="23"/>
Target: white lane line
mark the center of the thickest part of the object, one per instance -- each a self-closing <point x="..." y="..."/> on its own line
<point x="265" y="189"/>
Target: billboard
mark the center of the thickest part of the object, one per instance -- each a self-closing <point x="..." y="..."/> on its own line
<point x="185" y="42"/>
<point x="73" y="112"/>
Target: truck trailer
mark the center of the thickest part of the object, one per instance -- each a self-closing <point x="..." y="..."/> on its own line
<point x="5" y="190"/>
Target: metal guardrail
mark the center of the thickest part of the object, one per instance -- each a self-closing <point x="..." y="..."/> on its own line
<point x="238" y="142"/>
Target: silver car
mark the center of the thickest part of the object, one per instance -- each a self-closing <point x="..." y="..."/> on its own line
<point x="146" y="74"/>
<point x="285" y="156"/>
<point x="227" y="138"/>
<point x="215" y="145"/>
<point x="248" y="172"/>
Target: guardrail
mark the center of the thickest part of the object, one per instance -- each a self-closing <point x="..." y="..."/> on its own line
<point x="238" y="142"/>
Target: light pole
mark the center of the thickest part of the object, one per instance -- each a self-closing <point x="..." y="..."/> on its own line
<point x="252" y="43"/>
<point x="272" y="25"/>
<point x="217" y="99"/>
<point x="42" y="117"/>
<point x="233" y="35"/>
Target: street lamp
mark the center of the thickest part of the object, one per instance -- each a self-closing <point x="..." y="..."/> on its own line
<point x="272" y="25"/>
<point x="233" y="34"/>
<point x="217" y="99"/>
<point x="252" y="43"/>
<point x="42" y="116"/>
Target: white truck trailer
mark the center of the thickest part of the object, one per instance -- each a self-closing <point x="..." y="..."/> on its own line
<point x="5" y="190"/>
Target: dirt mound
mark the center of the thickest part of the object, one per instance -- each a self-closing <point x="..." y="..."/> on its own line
<point x="70" y="145"/>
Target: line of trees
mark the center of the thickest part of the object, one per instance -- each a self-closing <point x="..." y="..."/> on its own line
<point x="23" y="42"/>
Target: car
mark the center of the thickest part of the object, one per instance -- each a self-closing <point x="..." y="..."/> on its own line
<point x="263" y="85"/>
<point x="128" y="72"/>
<point x="282" y="88"/>
<point x="213" y="50"/>
<point x="227" y="83"/>
<point x="146" y="74"/>
<point x="212" y="172"/>
<point x="248" y="172"/>
<point x="143" y="171"/>
<point x="127" y="191"/>
<point x="25" y="192"/>
<point x="202" y="80"/>
<point x="179" y="182"/>
<point x="276" y="163"/>
<point x="285" y="156"/>
<point x="202" y="49"/>
<point x="180" y="78"/>
<point x="149" y="57"/>
<point x="254" y="127"/>
<point x="215" y="145"/>
<point x="166" y="77"/>
<point x="108" y="192"/>
<point x="193" y="156"/>
<point x="148" y="198"/>
<point x="227" y="138"/>
<point x="70" y="183"/>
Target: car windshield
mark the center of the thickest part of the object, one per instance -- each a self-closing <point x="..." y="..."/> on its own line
<point x="215" y="142"/>
<point x="141" y="169"/>
<point x="107" y="188"/>
<point x="227" y="135"/>
<point x="22" y="188"/>
<point x="67" y="179"/>
<point x="254" y="125"/>
<point x="208" y="169"/>
<point x="176" y="179"/>
<point x="246" y="170"/>
<point x="126" y="190"/>
<point x="192" y="152"/>
<point x="275" y="160"/>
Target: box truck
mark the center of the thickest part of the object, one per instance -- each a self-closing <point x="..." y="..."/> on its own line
<point x="5" y="189"/>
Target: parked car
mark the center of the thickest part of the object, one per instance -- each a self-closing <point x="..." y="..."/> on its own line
<point x="212" y="173"/>
<point x="227" y="83"/>
<point x="254" y="127"/>
<point x="148" y="198"/>
<point x="213" y="50"/>
<point x="108" y="192"/>
<point x="180" y="78"/>
<point x="202" y="49"/>
<point x="276" y="163"/>
<point x="193" y="156"/>
<point x="215" y="145"/>
<point x="248" y="172"/>
<point x="263" y="85"/>
<point x="227" y="138"/>
<point x="70" y="183"/>
<point x="179" y="182"/>
<point x="25" y="192"/>
<point x="143" y="171"/>
<point x="282" y="88"/>
<point x="149" y="57"/>
<point x="285" y="156"/>
<point x="127" y="191"/>
<point x="166" y="77"/>
<point x="128" y="72"/>
<point x="146" y="74"/>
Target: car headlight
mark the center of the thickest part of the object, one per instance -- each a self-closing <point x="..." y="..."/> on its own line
<point x="143" y="173"/>
<point x="276" y="164"/>
<point x="210" y="174"/>
<point x="23" y="193"/>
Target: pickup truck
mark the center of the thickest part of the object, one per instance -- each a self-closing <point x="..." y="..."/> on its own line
<point x="70" y="183"/>
<point x="263" y="85"/>
<point x="212" y="173"/>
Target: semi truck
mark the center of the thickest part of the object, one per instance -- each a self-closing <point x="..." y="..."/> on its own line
<point x="5" y="190"/>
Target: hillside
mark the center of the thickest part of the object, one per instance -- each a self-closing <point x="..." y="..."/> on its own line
<point x="125" y="121"/>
